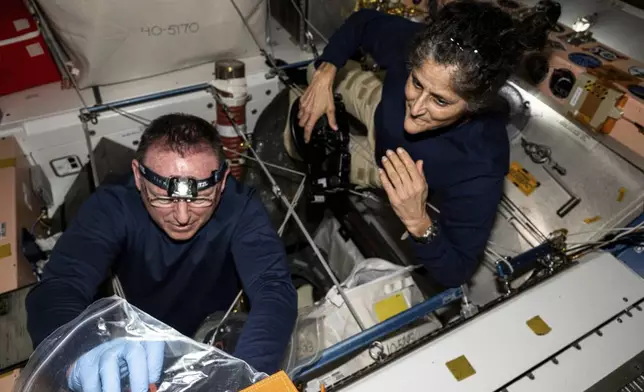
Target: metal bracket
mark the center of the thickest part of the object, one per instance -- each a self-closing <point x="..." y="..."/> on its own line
<point x="468" y="309"/>
<point x="87" y="117"/>
<point x="273" y="71"/>
<point x="309" y="40"/>
<point x="377" y="351"/>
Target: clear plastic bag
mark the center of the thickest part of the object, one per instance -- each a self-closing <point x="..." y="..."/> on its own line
<point x="221" y="331"/>
<point x="188" y="365"/>
<point x="307" y="342"/>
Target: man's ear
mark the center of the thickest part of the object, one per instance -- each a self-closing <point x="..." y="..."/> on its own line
<point x="137" y="174"/>
<point x="223" y="180"/>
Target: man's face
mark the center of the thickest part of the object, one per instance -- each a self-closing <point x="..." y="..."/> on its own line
<point x="180" y="220"/>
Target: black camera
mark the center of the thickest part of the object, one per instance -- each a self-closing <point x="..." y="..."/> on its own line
<point x="327" y="155"/>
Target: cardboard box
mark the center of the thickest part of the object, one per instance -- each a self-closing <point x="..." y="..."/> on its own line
<point x="8" y="379"/>
<point x="19" y="209"/>
<point x="278" y="382"/>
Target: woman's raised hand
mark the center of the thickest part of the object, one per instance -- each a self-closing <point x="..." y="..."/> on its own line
<point x="318" y="100"/>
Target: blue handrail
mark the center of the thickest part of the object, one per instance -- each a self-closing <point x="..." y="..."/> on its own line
<point x="364" y="339"/>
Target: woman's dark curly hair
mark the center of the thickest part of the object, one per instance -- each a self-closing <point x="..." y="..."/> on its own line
<point x="483" y="42"/>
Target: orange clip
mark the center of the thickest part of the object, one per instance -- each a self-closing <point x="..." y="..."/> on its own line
<point x="153" y="388"/>
<point x="322" y="388"/>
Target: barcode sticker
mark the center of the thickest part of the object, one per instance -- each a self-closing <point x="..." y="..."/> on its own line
<point x="21" y="24"/>
<point x="575" y="97"/>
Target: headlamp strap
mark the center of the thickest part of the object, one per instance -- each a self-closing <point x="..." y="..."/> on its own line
<point x="165" y="182"/>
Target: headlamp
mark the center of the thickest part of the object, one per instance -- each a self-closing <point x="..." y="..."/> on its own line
<point x="183" y="187"/>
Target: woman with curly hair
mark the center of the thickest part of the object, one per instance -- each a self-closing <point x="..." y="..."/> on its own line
<point x="430" y="127"/>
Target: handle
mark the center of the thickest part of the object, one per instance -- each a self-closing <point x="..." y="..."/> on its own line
<point x="558" y="168"/>
<point x="569" y="206"/>
<point x="555" y="176"/>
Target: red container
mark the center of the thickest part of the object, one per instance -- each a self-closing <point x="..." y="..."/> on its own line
<point x="25" y="60"/>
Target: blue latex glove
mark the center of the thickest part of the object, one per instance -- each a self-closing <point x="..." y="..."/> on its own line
<point x="102" y="368"/>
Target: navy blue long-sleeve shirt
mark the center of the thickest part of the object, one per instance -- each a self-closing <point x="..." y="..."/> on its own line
<point x="465" y="164"/>
<point x="179" y="283"/>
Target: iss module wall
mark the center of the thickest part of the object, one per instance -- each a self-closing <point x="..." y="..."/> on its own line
<point x="111" y="41"/>
<point x="187" y="365"/>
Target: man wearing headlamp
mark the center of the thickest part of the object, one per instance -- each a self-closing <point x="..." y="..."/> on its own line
<point x="177" y="235"/>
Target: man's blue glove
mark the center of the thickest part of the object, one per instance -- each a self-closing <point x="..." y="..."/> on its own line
<point x="101" y="369"/>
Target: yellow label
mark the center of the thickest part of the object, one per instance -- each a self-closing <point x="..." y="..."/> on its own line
<point x="538" y="326"/>
<point x="620" y="194"/>
<point x="460" y="368"/>
<point x="8" y="162"/>
<point x="278" y="382"/>
<point x="592" y="220"/>
<point x="5" y="251"/>
<point x="582" y="118"/>
<point x="390" y="307"/>
<point x="522" y="179"/>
